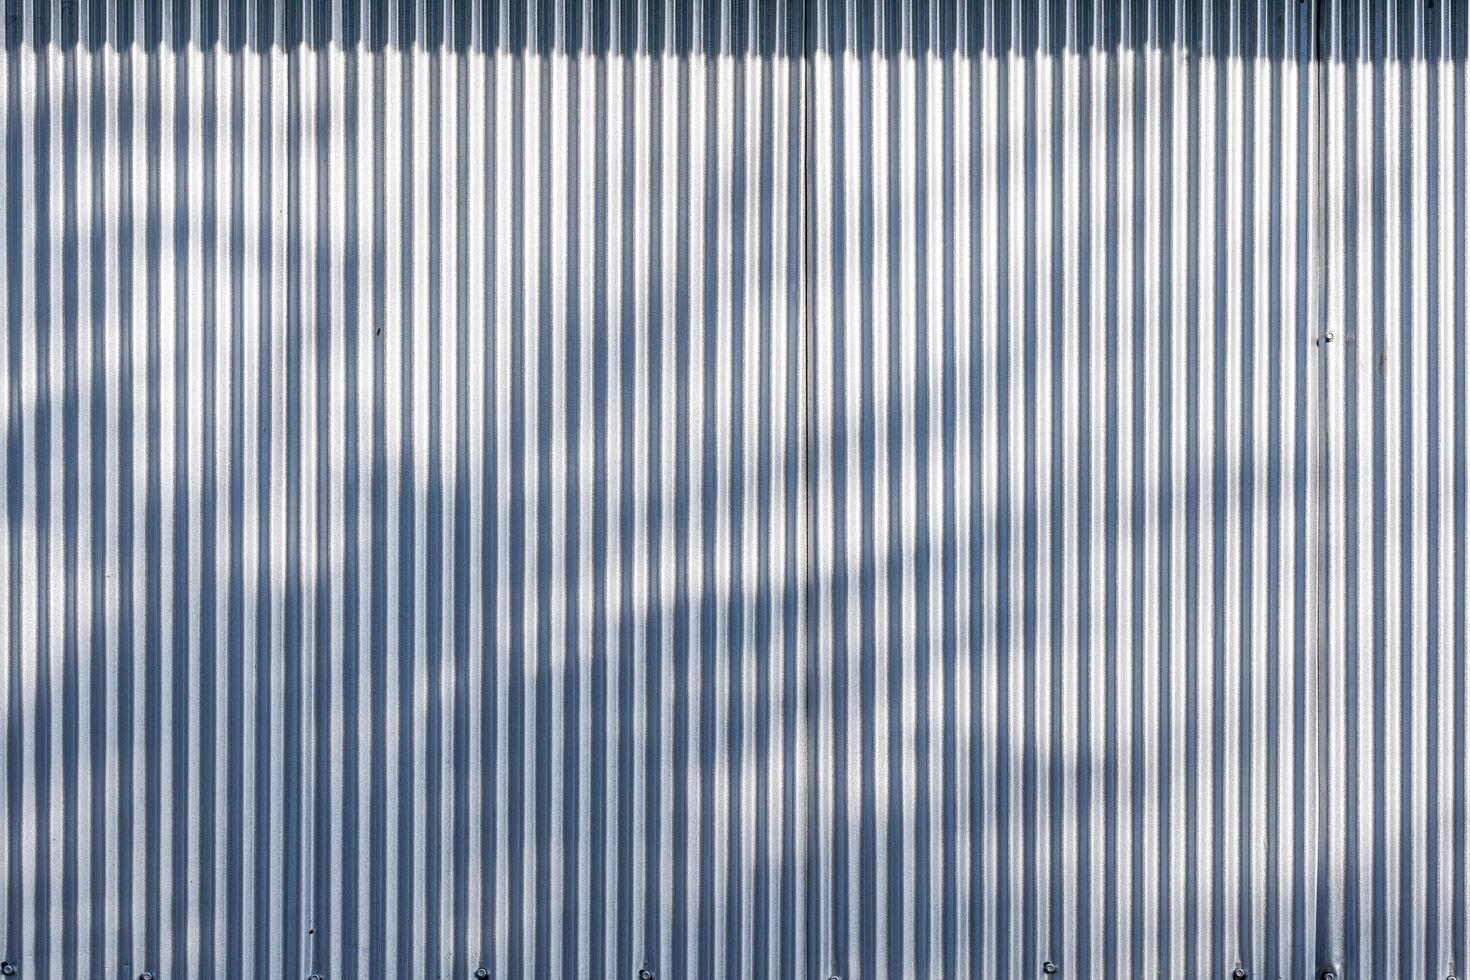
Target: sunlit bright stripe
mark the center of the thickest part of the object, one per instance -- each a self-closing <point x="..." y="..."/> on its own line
<point x="635" y="604"/>
<point x="304" y="573"/>
<point x="396" y="340"/>
<point x="719" y="334"/>
<point x="821" y="468"/>
<point x="849" y="353"/>
<point x="25" y="573"/>
<point x="1150" y="790"/>
<point x="696" y="201"/>
<point x="902" y="408"/>
<point x="51" y="579"/>
<point x="668" y="120"/>
<point x="746" y="378"/>
<point x="228" y="756"/>
<point x="933" y="709"/>
<point x="335" y="485"/>
<point x="1443" y="225"/>
<point x="479" y="340"/>
<point x="557" y="519"/>
<point x="451" y="914"/>
<point x="419" y="332"/>
<point x="88" y="630"/>
<point x="971" y="801"/>
<point x="200" y="935"/>
<point x="584" y="653"/>
<point x="369" y="348"/>
<point x="501" y="370"/>
<point x="1123" y="344"/>
<point x="880" y="329"/>
<point x="133" y="428"/>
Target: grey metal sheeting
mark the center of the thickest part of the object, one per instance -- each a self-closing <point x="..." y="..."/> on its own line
<point x="734" y="489"/>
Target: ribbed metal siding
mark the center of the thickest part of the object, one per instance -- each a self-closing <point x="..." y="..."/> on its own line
<point x="742" y="489"/>
<point x="1065" y="442"/>
<point x="402" y="430"/>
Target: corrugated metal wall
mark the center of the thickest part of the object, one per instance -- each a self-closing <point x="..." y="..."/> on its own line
<point x="793" y="489"/>
<point x="405" y="538"/>
<point x="1395" y="827"/>
<point x="1065" y="441"/>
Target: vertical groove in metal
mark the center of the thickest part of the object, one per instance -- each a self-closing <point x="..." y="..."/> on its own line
<point x="873" y="488"/>
<point x="404" y="526"/>
<point x="1064" y="453"/>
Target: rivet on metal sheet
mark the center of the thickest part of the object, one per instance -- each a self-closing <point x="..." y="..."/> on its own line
<point x="7" y="968"/>
<point x="1048" y="967"/>
<point x="482" y="973"/>
<point x="645" y="974"/>
<point x="1238" y="973"/>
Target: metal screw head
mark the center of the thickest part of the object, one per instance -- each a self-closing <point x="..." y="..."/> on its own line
<point x="645" y="974"/>
<point x="145" y="975"/>
<point x="315" y="976"/>
<point x="1329" y="975"/>
<point x="482" y="973"/>
<point x="7" y="968"/>
<point x="1048" y="967"/>
<point x="1238" y="973"/>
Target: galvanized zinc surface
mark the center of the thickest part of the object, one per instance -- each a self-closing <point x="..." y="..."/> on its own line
<point x="801" y="489"/>
<point x="405" y="537"/>
<point x="1395" y="826"/>
<point x="1064" y="446"/>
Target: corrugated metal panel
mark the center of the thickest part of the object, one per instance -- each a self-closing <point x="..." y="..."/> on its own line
<point x="434" y="436"/>
<point x="1395" y="831"/>
<point x="402" y="444"/>
<point x="1065" y="448"/>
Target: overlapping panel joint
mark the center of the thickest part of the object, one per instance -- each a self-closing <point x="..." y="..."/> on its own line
<point x="1395" y="828"/>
